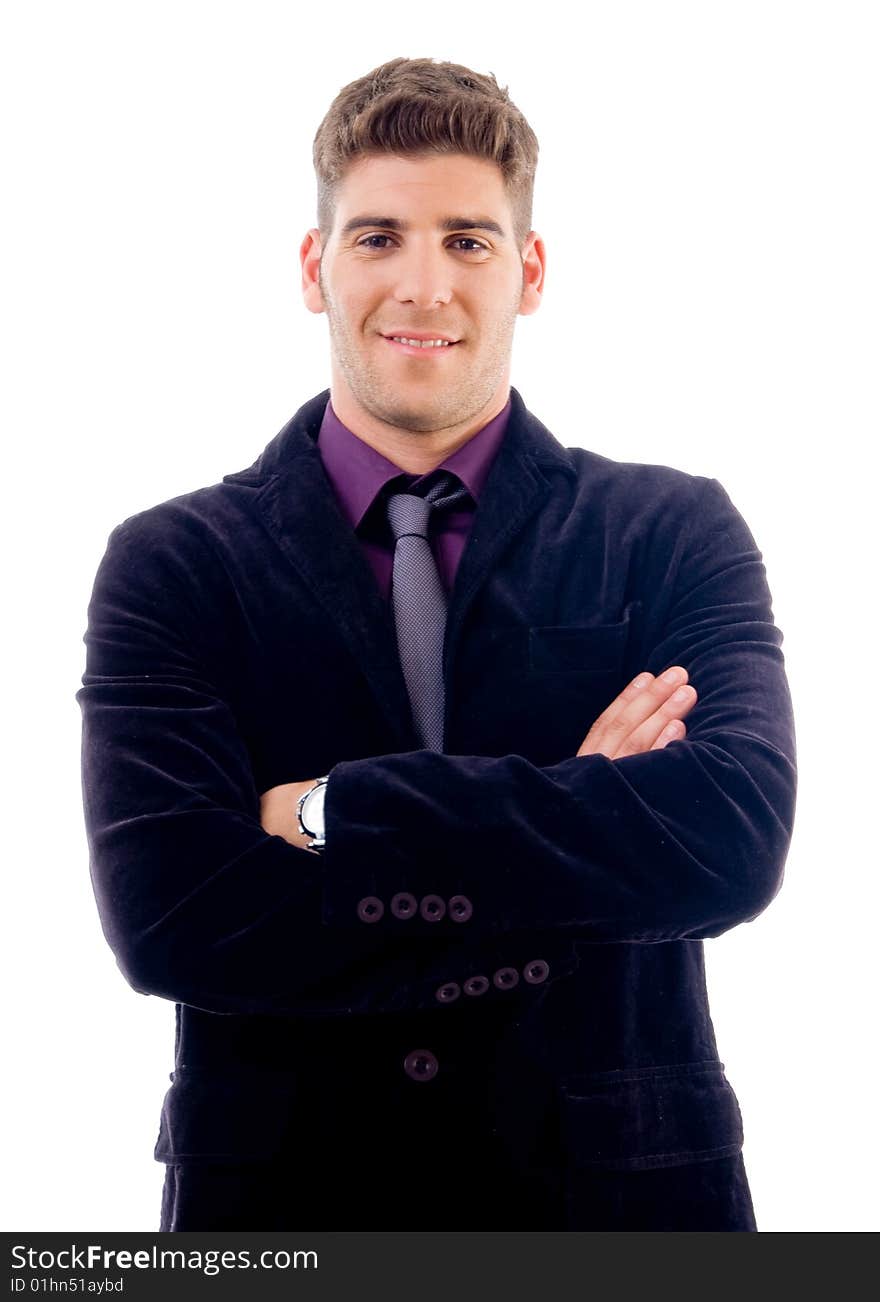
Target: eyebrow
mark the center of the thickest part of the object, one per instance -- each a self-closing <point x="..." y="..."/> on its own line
<point x="445" y="224"/>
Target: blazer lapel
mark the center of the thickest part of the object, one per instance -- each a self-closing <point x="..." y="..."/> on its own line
<point x="515" y="489"/>
<point x="298" y="507"/>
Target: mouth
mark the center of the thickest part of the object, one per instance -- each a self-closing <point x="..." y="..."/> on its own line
<point x="422" y="348"/>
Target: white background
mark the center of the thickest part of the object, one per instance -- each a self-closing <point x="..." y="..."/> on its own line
<point x="707" y="192"/>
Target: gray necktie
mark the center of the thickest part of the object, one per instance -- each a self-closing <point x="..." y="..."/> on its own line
<point x="420" y="601"/>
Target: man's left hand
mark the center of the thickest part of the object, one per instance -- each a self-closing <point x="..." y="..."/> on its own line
<point x="278" y="812"/>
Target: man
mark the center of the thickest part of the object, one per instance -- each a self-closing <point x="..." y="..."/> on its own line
<point x="386" y="776"/>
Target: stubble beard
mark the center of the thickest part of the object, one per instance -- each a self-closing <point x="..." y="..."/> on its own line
<point x="451" y="402"/>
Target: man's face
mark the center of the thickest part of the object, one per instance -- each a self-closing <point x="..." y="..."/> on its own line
<point x="464" y="282"/>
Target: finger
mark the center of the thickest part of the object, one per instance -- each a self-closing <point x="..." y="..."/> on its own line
<point x="669" y="712"/>
<point x="633" y="690"/>
<point x="639" y="700"/>
<point x="674" y="731"/>
<point x="636" y="703"/>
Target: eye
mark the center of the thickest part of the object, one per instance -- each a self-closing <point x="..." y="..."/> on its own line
<point x="479" y="247"/>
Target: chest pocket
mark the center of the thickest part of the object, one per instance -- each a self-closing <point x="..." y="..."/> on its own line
<point x="573" y="673"/>
<point x="536" y="689"/>
<point x="576" y="648"/>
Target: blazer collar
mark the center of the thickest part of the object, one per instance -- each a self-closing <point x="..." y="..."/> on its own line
<point x="299" y="508"/>
<point x="525" y="434"/>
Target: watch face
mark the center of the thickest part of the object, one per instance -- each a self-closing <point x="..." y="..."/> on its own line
<point x="313" y="811"/>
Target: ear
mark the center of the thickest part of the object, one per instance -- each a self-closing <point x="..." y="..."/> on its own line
<point x="534" y="269"/>
<point x="310" y="259"/>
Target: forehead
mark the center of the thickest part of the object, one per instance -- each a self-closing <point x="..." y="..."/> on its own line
<point x="427" y="186"/>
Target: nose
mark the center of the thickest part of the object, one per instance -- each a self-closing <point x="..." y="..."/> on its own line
<point x="424" y="276"/>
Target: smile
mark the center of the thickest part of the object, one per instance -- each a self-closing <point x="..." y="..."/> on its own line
<point x="420" y="347"/>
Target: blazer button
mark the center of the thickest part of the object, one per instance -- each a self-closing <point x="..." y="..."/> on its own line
<point x="420" y="1064"/>
<point x="476" y="985"/>
<point x="370" y="908"/>
<point x="506" y="978"/>
<point x="446" y="994"/>
<point x="432" y="908"/>
<point x="404" y="905"/>
<point x="536" y="971"/>
<point x="460" y="908"/>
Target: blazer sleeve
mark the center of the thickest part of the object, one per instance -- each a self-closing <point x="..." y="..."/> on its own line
<point x="198" y="903"/>
<point x="679" y="843"/>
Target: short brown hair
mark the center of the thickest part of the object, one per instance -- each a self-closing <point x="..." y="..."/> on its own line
<point x="418" y="107"/>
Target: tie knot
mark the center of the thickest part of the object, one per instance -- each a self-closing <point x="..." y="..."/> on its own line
<point x="410" y="512"/>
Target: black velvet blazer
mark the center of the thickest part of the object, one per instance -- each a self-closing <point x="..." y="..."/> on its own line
<point x="237" y="639"/>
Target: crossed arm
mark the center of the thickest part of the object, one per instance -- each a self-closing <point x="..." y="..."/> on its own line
<point x="208" y="896"/>
<point x="647" y="715"/>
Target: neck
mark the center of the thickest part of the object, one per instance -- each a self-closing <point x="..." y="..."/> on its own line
<point x="415" y="452"/>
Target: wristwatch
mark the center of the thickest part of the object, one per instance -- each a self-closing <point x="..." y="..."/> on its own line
<point x="310" y="813"/>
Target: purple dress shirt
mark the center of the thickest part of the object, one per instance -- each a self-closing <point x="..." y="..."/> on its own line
<point x="358" y="473"/>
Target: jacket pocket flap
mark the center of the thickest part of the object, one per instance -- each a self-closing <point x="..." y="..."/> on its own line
<point x="222" y="1114"/>
<point x="651" y="1117"/>
<point x="577" y="646"/>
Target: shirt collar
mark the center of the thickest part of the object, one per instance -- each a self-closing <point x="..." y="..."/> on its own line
<point x="358" y="472"/>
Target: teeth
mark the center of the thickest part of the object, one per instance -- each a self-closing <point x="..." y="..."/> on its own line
<point x="422" y="343"/>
